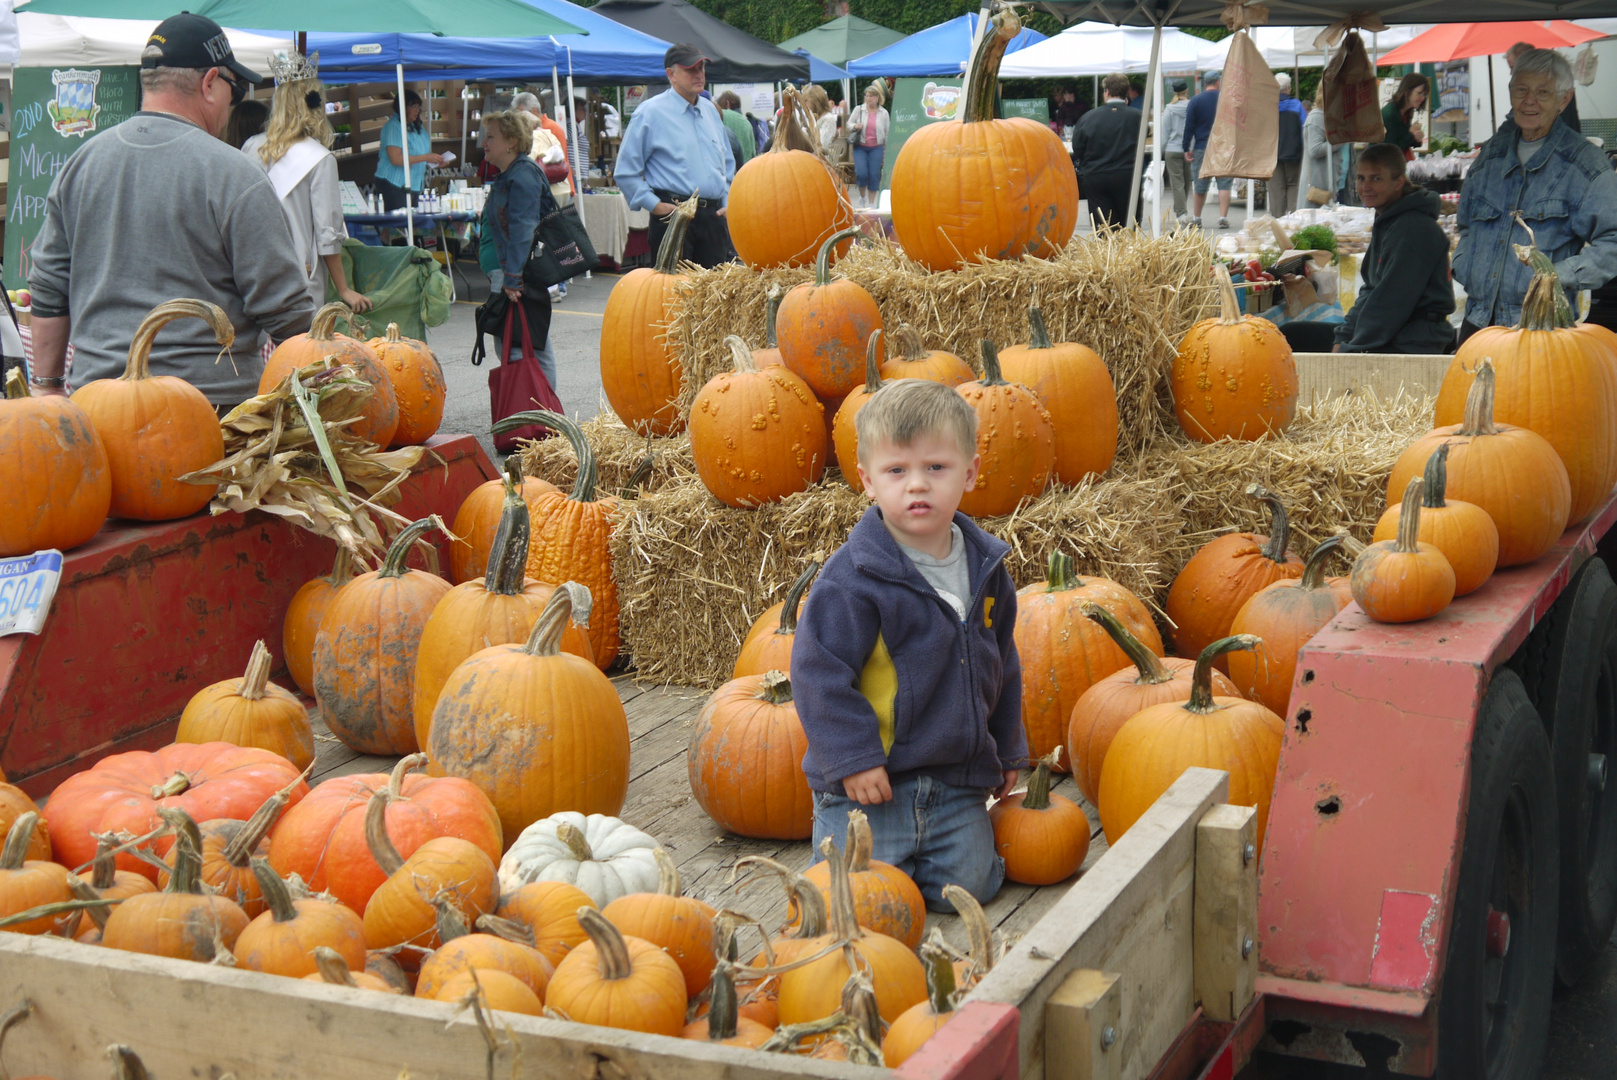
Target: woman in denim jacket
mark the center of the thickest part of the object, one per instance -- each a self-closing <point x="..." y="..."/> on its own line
<point x="1563" y="187"/>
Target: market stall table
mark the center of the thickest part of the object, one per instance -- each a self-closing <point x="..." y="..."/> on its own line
<point x="611" y="223"/>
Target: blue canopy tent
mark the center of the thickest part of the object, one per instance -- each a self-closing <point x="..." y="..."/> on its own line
<point x="820" y="71"/>
<point x="940" y="50"/>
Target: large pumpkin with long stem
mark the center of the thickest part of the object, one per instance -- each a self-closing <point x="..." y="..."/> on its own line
<point x="844" y="429"/>
<point x="1285" y="615"/>
<point x="1462" y="531"/>
<point x="1512" y="473"/>
<point x="885" y="900"/>
<point x="1064" y="653"/>
<point x="322" y="839"/>
<point x="619" y="981"/>
<point x="746" y="760"/>
<point x="156" y="428"/>
<point x="445" y="870"/>
<point x="640" y="366"/>
<point x="768" y="644"/>
<point x="1407" y="579"/>
<point x="1549" y="378"/>
<point x="1015" y="439"/>
<point x="785" y="202"/>
<point x="1234" y="376"/>
<point x="182" y="922"/>
<point x="984" y="188"/>
<point x="303" y="617"/>
<point x="1103" y="709"/>
<point x="757" y="435"/>
<point x="365" y="651"/>
<point x="478" y="519"/>
<point x="1074" y="385"/>
<point x="282" y="940"/>
<point x="824" y="324"/>
<point x="1043" y="838"/>
<point x="536" y="729"/>
<point x="1238" y="736"/>
<point x="1224" y="575"/>
<point x="55" y="483"/>
<point x="680" y="925"/>
<point x="380" y="417"/>
<point x="29" y="883"/>
<point x="477" y="615"/>
<point x="418" y="385"/>
<point x="250" y="711"/>
<point x="913" y="360"/>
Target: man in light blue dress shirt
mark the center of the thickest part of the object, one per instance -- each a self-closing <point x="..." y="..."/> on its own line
<point x="676" y="147"/>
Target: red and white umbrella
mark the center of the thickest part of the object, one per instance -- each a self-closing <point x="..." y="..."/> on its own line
<point x="1460" y="41"/>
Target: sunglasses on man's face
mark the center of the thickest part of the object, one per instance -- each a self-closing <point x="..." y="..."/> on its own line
<point x="238" y="89"/>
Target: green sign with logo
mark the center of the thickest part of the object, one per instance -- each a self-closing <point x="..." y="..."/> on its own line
<point x="1032" y="108"/>
<point x="916" y="103"/>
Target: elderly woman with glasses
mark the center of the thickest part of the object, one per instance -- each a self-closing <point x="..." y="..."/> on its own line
<point x="1563" y="187"/>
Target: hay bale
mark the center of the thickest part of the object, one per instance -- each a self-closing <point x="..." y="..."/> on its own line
<point x="1125" y="294"/>
<point x="618" y="453"/>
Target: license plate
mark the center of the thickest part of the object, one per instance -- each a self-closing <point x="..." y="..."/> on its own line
<point x="27" y="586"/>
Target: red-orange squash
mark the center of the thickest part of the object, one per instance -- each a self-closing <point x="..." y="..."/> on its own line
<point x="418" y="385"/>
<point x="1285" y="615"/>
<point x="1016" y="441"/>
<point x="1043" y="838"/>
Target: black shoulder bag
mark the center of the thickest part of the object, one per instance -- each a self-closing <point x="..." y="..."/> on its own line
<point x="561" y="245"/>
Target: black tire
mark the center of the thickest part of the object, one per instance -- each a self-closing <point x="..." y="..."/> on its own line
<point x="1493" y="1015"/>
<point x="1571" y="677"/>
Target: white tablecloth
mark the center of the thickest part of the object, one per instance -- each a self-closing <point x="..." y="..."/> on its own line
<point x="607" y="220"/>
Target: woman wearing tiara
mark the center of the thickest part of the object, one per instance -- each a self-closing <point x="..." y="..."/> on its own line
<point x="295" y="150"/>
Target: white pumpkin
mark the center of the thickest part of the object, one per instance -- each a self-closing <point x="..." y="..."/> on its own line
<point x="600" y="855"/>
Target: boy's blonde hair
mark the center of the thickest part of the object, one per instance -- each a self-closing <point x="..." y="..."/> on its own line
<point x="906" y="409"/>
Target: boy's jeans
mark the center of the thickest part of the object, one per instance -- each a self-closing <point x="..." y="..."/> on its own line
<point x="937" y="834"/>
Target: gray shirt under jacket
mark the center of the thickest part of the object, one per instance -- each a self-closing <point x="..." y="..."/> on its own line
<point x="949" y="575"/>
<point x="156" y="209"/>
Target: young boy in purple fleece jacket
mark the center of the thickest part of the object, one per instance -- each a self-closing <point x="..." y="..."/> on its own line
<point x="904" y="667"/>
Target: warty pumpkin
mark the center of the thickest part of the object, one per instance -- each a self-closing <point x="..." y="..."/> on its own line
<point x="724" y="1022"/>
<point x="365" y="650"/>
<point x="914" y="360"/>
<point x="1224" y="574"/>
<point x="549" y="909"/>
<point x="380" y="418"/>
<point x="984" y="188"/>
<point x="1064" y="653"/>
<point x="618" y="981"/>
<point x="418" y="385"/>
<point x="640" y="365"/>
<point x="14" y="802"/>
<point x="182" y="922"/>
<point x="250" y="711"/>
<point x="1102" y="710"/>
<point x="922" y="1020"/>
<point x="478" y="519"/>
<point x="745" y="760"/>
<point x="785" y="202"/>
<point x="1043" y="838"/>
<point x="1514" y="474"/>
<point x="823" y="326"/>
<point x="1073" y="384"/>
<point x="282" y="940"/>
<point x="303" y="617"/>
<point x="680" y="925"/>
<point x="844" y="431"/>
<point x="496" y="945"/>
<point x="757" y="436"/>
<point x="156" y="428"/>
<point x="27" y="883"/>
<point x="1403" y="580"/>
<point x="1462" y="531"/>
<point x="445" y="870"/>
<point x="768" y="644"/>
<point x="1015" y="440"/>
<point x="55" y="484"/>
<point x="537" y="730"/>
<point x="1285" y="615"/>
<point x="884" y="898"/>
<point x="1229" y="733"/>
<point x="1234" y="376"/>
<point x="332" y="969"/>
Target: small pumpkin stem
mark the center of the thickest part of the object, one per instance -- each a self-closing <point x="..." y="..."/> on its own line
<point x="982" y="80"/>
<point x="257" y="674"/>
<point x="1280" y="531"/>
<point x="104" y="867"/>
<point x="1201" y="680"/>
<point x="508" y="556"/>
<point x="1544" y="307"/>
<point x="178" y="784"/>
<point x="860" y="842"/>
<point x="186" y="877"/>
<point x="978" y="932"/>
<point x="1060" y="575"/>
<point x="991" y="372"/>
<point x="140" y="348"/>
<point x="775" y="688"/>
<point x="126" y="1064"/>
<point x="506" y="929"/>
<point x="407" y="764"/>
<point x="332" y="967"/>
<point x="342" y="568"/>
<point x="1409" y="517"/>
<point x="795" y="133"/>
<point x="21" y="834"/>
<point x="740" y="355"/>
<point x="859" y="1004"/>
<point x="822" y="261"/>
<point x="397" y="552"/>
<point x="610" y="947"/>
<point x="17" y="1013"/>
<point x="1040" y="337"/>
<point x="1146" y="662"/>
<point x="1314" y="569"/>
<point x="872" y="365"/>
<point x="910" y="346"/>
<point x="811" y="909"/>
<point x="16" y="385"/>
<point x="577" y="846"/>
<point x="640" y="477"/>
<point x="939" y="975"/>
<point x="1038" y="785"/>
<point x="844" y="921"/>
<point x="1436" y="475"/>
<point x="794" y="598"/>
<point x="771" y="313"/>
<point x="451" y="923"/>
<point x="668" y="883"/>
<point x="1229" y="306"/>
<point x="1479" y="402"/>
<point x="393" y="335"/>
<point x="277" y="897"/>
<point x="545" y="638"/>
<point x="87" y="891"/>
<point x="381" y="845"/>
<point x="723" y="1011"/>
<point x="673" y="244"/>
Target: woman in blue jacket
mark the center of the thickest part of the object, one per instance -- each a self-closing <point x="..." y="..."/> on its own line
<point x="518" y="198"/>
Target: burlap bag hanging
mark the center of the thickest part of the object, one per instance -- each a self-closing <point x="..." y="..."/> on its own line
<point x="1351" y="98"/>
<point x="1246" y="129"/>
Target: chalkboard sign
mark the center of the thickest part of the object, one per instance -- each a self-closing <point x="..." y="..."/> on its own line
<point x="1032" y="108"/>
<point x="916" y="103"/>
<point x="53" y="111"/>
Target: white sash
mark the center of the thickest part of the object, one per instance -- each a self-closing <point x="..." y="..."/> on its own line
<point x="298" y="162"/>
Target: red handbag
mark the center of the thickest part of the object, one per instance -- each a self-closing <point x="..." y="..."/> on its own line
<point x="519" y="385"/>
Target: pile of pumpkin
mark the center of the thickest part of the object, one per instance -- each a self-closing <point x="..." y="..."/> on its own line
<point x="118" y="447"/>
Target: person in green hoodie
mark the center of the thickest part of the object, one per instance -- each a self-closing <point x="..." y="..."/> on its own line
<point x="1405" y="292"/>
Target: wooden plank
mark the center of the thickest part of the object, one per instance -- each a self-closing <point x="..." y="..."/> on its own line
<point x="1081" y="1023"/>
<point x="1321" y="376"/>
<point x="1226" y="903"/>
<point x="1132" y="913"/>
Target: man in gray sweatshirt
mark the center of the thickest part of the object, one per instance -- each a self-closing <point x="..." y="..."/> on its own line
<point x="157" y="208"/>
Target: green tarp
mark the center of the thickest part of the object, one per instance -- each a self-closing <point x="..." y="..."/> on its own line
<point x="405" y="285"/>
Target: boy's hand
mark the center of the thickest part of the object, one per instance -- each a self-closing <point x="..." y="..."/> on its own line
<point x="1011" y="777"/>
<point x="869" y="787"/>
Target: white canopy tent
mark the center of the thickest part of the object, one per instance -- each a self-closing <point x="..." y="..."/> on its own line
<point x="59" y="41"/>
<point x="1285" y="47"/>
<point x="1097" y="48"/>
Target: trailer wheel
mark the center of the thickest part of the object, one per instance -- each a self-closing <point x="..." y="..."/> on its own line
<point x="1493" y="1016"/>
<point x="1572" y="678"/>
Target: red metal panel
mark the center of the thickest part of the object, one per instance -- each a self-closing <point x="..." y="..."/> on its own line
<point x="146" y="615"/>
<point x="978" y="1044"/>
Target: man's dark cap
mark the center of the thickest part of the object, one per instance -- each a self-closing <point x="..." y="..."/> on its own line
<point x="195" y="41"/>
<point x="683" y="55"/>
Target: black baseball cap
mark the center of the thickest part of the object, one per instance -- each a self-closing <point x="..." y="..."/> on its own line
<point x="194" y="41"/>
<point x="683" y="55"/>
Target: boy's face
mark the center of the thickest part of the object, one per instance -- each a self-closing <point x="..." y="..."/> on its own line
<point x="919" y="486"/>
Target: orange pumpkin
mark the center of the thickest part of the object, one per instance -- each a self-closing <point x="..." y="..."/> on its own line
<point x="1072" y="382"/>
<point x="418" y="385"/>
<point x="757" y="436"/>
<point x="745" y="760"/>
<point x="498" y="945"/>
<point x="884" y="898"/>
<point x="14" y="802"/>
<point x="332" y="969"/>
<point x="824" y="325"/>
<point x="106" y="882"/>
<point x="844" y="431"/>
<point x="914" y="361"/>
<point x="55" y="484"/>
<point x="619" y="982"/>
<point x="250" y="711"/>
<point x="680" y="925"/>
<point x="303" y="617"/>
<point x="1234" y="376"/>
<point x="1224" y="574"/>
<point x="1404" y="580"/>
<point x="1015" y="440"/>
<point x="282" y="940"/>
<point x="768" y="645"/>
<point x="478" y="519"/>
<point x="182" y="922"/>
<point x="1064" y="653"/>
<point x="984" y="188"/>
<point x="922" y="1020"/>
<point x="724" y="1022"/>
<point x="493" y="989"/>
<point x="1285" y="615"/>
<point x="227" y="847"/>
<point x="27" y="883"/>
<point x="157" y="428"/>
<point x="550" y="910"/>
<point x="640" y="366"/>
<point x="445" y="870"/>
<point x="1043" y="838"/>
<point x="380" y="417"/>
<point x="785" y="202"/>
<point x="1462" y="531"/>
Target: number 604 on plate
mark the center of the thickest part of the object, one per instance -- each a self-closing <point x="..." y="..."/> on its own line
<point x="27" y="586"/>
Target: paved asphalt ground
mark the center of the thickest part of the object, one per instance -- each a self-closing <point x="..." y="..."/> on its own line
<point x="1583" y="1029"/>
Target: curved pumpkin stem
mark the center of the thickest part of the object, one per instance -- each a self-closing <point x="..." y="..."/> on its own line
<point x="794" y="598"/>
<point x="578" y="846"/>
<point x="342" y="568"/>
<point x="508" y="556"/>
<point x="723" y="1008"/>
<point x="775" y="688"/>
<point x="20" y="835"/>
<point x="584" y="485"/>
<point x="673" y="244"/>
<point x="640" y="476"/>
<point x="740" y="354"/>
<point x="991" y="372"/>
<point x="822" y="261"/>
<point x="1039" y="337"/>
<point x="323" y="327"/>
<point x="1436" y="475"/>
<point x="126" y="1064"/>
<point x="983" y="79"/>
<point x="610" y="948"/>
<point x="376" y="839"/>
<point x="844" y="920"/>
<point x="1038" y="785"/>
<point x="186" y="876"/>
<point x="860" y="842"/>
<point x="407" y="764"/>
<point x="908" y="340"/>
<point x="140" y="349"/>
<point x="256" y="677"/>
<point x="332" y="967"/>
<point x="1314" y="569"/>
<point x="1229" y="306"/>
<point x="872" y="367"/>
<point x="811" y="908"/>
<point x="1201" y="680"/>
<point x="277" y="897"/>
<point x="796" y="131"/>
<point x="1061" y="573"/>
<point x="772" y="313"/>
<point x="104" y="867"/>
<point x="13" y="1016"/>
<point x="1544" y="307"/>
<point x="939" y="974"/>
<point x="398" y="551"/>
<point x="978" y="933"/>
<point x="545" y="638"/>
<point x="1280" y="531"/>
<point x="507" y="929"/>
<point x="1146" y="662"/>
<point x="1408" y="541"/>
<point x="1479" y="402"/>
<point x="668" y="883"/>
